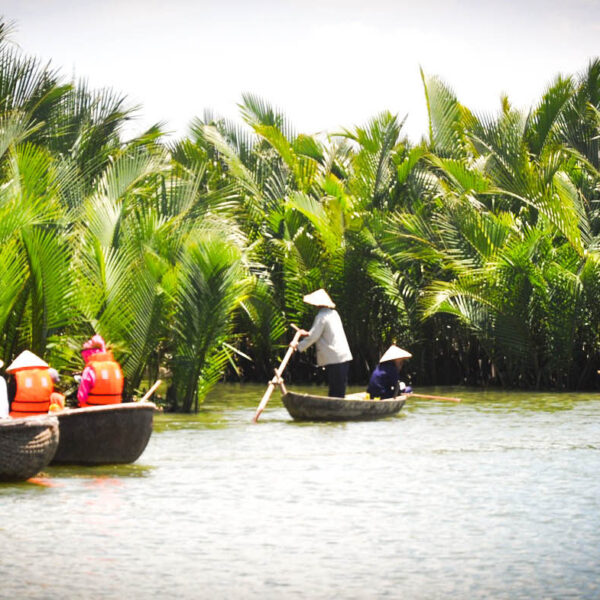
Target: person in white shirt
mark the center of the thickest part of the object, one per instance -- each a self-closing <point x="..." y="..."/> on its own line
<point x="327" y="333"/>
<point x="3" y="396"/>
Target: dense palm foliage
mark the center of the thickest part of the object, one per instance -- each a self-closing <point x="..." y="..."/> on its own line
<point x="477" y="248"/>
<point x="103" y="236"/>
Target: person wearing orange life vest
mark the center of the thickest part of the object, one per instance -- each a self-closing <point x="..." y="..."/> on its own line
<point x="102" y="379"/>
<point x="32" y="387"/>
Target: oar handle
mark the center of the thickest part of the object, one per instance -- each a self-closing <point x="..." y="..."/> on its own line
<point x="276" y="379"/>
<point x="150" y="391"/>
<point x="288" y="355"/>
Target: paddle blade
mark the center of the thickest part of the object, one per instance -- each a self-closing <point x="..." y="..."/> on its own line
<point x="263" y="402"/>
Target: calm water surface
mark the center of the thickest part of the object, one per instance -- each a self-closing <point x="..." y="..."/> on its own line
<point x="497" y="497"/>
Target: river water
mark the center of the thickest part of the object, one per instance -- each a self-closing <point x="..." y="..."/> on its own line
<point x="496" y="497"/>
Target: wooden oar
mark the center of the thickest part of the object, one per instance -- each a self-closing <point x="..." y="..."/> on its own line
<point x="442" y="398"/>
<point x="277" y="378"/>
<point x="150" y="392"/>
<point x="362" y="396"/>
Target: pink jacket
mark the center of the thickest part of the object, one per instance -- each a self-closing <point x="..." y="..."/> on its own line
<point x="88" y="380"/>
<point x="88" y="377"/>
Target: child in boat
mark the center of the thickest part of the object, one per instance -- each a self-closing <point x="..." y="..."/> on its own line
<point x="327" y="333"/>
<point x="102" y="379"/>
<point x="384" y="382"/>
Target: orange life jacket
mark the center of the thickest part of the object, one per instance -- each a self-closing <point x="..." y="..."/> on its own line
<point x="108" y="388"/>
<point x="34" y="387"/>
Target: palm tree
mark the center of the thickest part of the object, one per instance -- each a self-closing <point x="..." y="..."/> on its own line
<point x="514" y="237"/>
<point x="478" y="248"/>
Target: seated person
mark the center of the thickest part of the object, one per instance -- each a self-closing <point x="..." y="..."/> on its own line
<point x="102" y="379"/>
<point x="3" y="396"/>
<point x="384" y="382"/>
<point x="31" y="388"/>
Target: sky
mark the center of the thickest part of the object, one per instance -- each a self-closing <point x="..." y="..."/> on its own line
<point x="328" y="64"/>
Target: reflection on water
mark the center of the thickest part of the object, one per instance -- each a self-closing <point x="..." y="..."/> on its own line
<point x="99" y="472"/>
<point x="496" y="497"/>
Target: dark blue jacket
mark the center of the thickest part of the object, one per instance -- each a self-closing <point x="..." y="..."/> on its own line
<point x="384" y="381"/>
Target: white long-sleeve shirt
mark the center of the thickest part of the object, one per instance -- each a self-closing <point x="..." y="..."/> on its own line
<point x="327" y="332"/>
<point x="3" y="399"/>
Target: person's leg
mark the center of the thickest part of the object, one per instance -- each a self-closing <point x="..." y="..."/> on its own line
<point x="337" y="377"/>
<point x="334" y="381"/>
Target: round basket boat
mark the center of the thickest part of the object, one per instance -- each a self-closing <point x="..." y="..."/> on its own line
<point x="27" y="445"/>
<point x="111" y="434"/>
<point x="305" y="407"/>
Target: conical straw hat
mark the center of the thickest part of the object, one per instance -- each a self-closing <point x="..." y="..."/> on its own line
<point x="319" y="298"/>
<point x="26" y="360"/>
<point x="393" y="352"/>
<point x="1" y="363"/>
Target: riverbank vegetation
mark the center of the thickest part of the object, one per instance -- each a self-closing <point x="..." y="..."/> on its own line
<point x="477" y="247"/>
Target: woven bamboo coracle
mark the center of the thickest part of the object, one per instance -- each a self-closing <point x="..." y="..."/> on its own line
<point x="26" y="446"/>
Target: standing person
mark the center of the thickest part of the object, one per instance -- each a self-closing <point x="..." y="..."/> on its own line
<point x="327" y="333"/>
<point x="102" y="379"/>
<point x="384" y="382"/>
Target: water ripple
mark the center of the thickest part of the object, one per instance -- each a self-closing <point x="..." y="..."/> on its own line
<point x="497" y="497"/>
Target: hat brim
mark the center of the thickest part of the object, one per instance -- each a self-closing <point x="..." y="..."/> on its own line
<point x="26" y="360"/>
<point x="319" y="298"/>
<point x="394" y="353"/>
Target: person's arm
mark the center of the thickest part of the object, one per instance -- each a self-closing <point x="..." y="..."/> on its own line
<point x="88" y="380"/>
<point x="392" y="382"/>
<point x="294" y="343"/>
<point x="313" y="335"/>
<point x="404" y="389"/>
